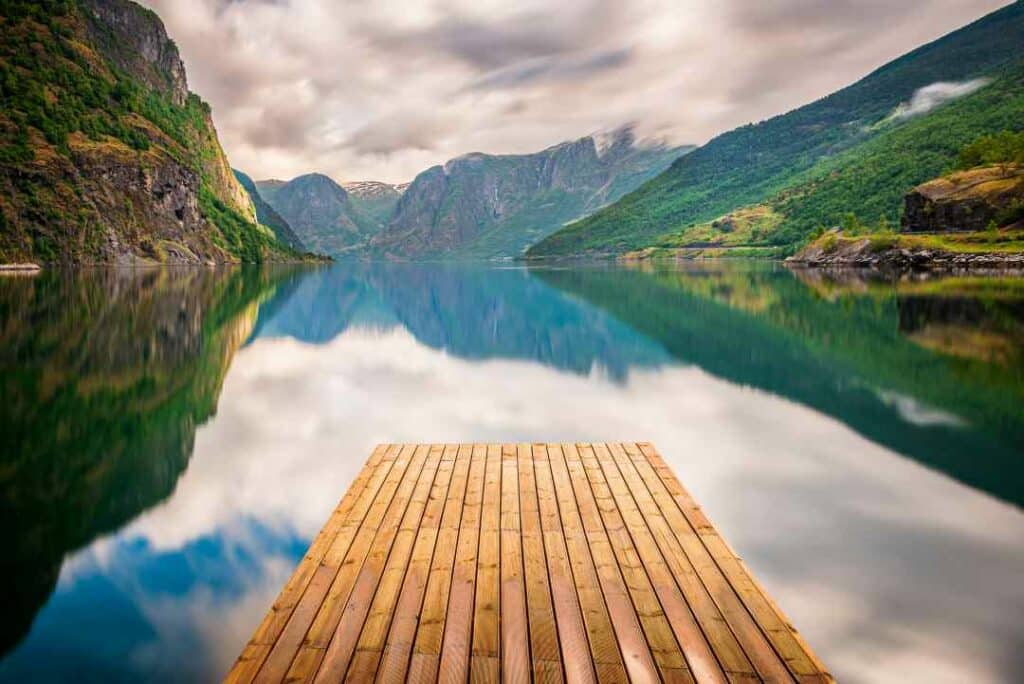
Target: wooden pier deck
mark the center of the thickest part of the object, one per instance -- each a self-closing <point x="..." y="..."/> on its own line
<point x="520" y="562"/>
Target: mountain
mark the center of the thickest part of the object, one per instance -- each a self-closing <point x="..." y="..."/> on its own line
<point x="487" y="206"/>
<point x="267" y="216"/>
<point x="323" y="214"/>
<point x="105" y="155"/>
<point x="778" y="160"/>
<point x="374" y="202"/>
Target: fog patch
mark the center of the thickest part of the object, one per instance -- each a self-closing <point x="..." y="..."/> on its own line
<point x="931" y="96"/>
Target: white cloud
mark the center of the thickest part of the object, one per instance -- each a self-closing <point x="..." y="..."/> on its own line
<point x="293" y="83"/>
<point x="931" y="96"/>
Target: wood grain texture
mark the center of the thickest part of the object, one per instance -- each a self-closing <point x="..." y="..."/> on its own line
<point x="518" y="563"/>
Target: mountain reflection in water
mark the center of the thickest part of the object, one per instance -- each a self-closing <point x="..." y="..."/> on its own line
<point x="136" y="505"/>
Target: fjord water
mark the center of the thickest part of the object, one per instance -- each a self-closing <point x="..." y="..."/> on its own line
<point x="172" y="440"/>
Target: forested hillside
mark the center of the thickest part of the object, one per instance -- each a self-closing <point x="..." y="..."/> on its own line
<point x="756" y="163"/>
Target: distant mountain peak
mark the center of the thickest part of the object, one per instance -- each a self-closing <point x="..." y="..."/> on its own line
<point x="372" y="189"/>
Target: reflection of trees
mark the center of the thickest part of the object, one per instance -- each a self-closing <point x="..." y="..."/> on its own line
<point x="847" y="354"/>
<point x="105" y="376"/>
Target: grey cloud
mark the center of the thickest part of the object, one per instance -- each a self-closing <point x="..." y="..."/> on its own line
<point x="524" y="36"/>
<point x="844" y="15"/>
<point x="314" y="85"/>
<point x="391" y="134"/>
<point x="552" y="69"/>
<point x="280" y="125"/>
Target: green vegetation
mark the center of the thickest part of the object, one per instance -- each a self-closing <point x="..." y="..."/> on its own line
<point x="871" y="179"/>
<point x="1005" y="147"/>
<point x="67" y="108"/>
<point x="777" y="161"/>
<point x="1005" y="241"/>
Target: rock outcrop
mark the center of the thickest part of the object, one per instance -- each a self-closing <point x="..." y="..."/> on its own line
<point x="966" y="201"/>
<point x="107" y="157"/>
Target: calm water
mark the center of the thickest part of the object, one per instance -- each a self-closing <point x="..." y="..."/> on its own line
<point x="172" y="440"/>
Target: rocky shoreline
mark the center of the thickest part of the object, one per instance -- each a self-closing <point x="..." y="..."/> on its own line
<point x="866" y="254"/>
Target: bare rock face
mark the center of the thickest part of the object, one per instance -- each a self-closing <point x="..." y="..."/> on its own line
<point x="134" y="39"/>
<point x="484" y="205"/>
<point x="964" y="201"/>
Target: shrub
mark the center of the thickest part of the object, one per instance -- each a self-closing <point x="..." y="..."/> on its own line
<point x="881" y="243"/>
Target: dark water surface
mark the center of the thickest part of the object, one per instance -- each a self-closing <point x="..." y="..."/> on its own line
<point x="171" y="440"/>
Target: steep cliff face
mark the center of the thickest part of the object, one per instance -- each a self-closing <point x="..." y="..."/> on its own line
<point x="967" y="200"/>
<point x="321" y="213"/>
<point x="106" y="156"/>
<point x="267" y="216"/>
<point x="497" y="205"/>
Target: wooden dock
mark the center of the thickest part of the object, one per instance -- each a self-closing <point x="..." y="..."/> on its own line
<point x="550" y="562"/>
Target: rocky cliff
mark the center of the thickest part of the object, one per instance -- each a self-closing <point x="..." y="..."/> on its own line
<point x="481" y="205"/>
<point x="106" y="156"/>
<point x="970" y="200"/>
<point x="267" y="216"/>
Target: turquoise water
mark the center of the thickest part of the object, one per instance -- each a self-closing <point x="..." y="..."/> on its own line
<point x="172" y="440"/>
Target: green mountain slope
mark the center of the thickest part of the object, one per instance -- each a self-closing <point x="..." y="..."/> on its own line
<point x="105" y="156"/>
<point x="267" y="216"/>
<point x="754" y="163"/>
<point x="321" y="212"/>
<point x="869" y="180"/>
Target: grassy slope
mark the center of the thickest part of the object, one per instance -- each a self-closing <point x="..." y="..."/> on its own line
<point x="63" y="102"/>
<point x="752" y="164"/>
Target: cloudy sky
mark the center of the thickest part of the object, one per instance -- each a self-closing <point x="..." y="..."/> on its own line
<point x="382" y="89"/>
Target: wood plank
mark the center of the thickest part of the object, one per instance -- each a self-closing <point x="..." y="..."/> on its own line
<point x="408" y="499"/>
<point x="486" y="647"/>
<point x="395" y="660"/>
<point x="455" y="649"/>
<point x="341" y="562"/>
<point x="702" y="662"/>
<point x="541" y="562"/>
<point x="723" y="642"/>
<point x="430" y="631"/>
<point x="426" y="500"/>
<point x="515" y="635"/>
<point x="546" y="658"/>
<point x="660" y="636"/>
<point x="632" y="644"/>
<point x="783" y="636"/>
<point x="366" y="483"/>
<point x="572" y="633"/>
<point x="304" y="618"/>
<point x="604" y="649"/>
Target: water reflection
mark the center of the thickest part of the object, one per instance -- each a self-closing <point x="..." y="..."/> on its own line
<point x="105" y="377"/>
<point x="789" y="405"/>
